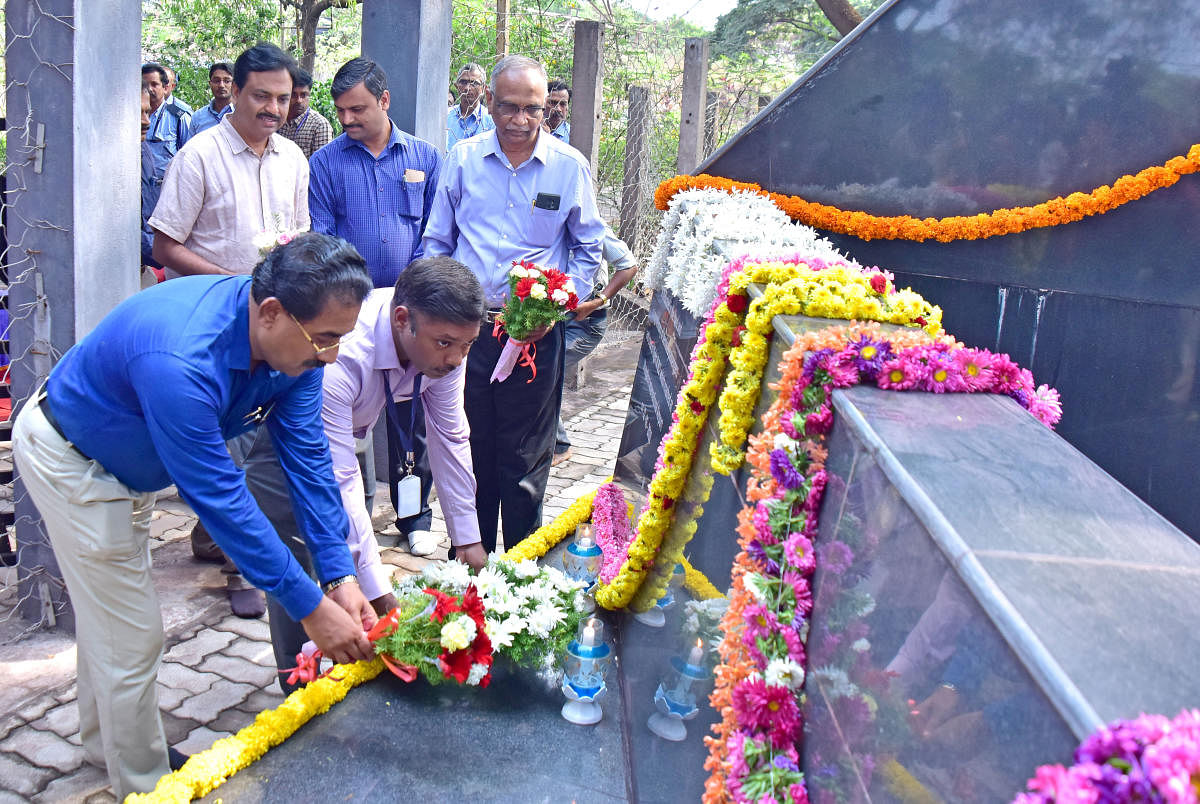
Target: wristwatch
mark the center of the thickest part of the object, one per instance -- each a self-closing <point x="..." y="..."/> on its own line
<point x="604" y="300"/>
<point x="336" y="582"/>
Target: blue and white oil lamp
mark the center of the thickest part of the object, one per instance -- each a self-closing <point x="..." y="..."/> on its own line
<point x="656" y="616"/>
<point x="581" y="562"/>
<point x="585" y="667"/>
<point x="676" y="698"/>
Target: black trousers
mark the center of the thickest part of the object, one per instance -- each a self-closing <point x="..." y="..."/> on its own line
<point x="512" y="434"/>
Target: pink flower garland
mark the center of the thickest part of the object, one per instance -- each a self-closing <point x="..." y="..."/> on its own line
<point x="614" y="534"/>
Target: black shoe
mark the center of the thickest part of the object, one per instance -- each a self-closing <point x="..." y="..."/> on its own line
<point x="249" y="604"/>
<point x="176" y="758"/>
<point x="203" y="546"/>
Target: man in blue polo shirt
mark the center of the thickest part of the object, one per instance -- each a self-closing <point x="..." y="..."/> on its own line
<point x="148" y="399"/>
<point x="374" y="186"/>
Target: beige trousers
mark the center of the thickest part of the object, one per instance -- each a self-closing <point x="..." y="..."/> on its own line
<point x="100" y="531"/>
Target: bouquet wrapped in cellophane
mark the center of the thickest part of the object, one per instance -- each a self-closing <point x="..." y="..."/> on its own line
<point x="537" y="298"/>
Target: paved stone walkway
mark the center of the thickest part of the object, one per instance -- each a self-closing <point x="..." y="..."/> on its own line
<point x="218" y="671"/>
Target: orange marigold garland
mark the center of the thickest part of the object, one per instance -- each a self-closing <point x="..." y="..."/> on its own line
<point x="866" y="226"/>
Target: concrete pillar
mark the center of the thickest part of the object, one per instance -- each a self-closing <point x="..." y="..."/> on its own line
<point x="410" y="39"/>
<point x="587" y="89"/>
<point x="637" y="165"/>
<point x="74" y="209"/>
<point x="691" y="112"/>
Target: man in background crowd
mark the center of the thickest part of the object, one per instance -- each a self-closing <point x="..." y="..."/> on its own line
<point x="305" y="126"/>
<point x="374" y="186"/>
<point x="172" y="85"/>
<point x="170" y="125"/>
<point x="220" y="84"/>
<point x="558" y="101"/>
<point x="469" y="117"/>
<point x="150" y="190"/>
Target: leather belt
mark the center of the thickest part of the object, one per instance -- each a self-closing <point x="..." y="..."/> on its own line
<point x="43" y="403"/>
<point x="490" y="316"/>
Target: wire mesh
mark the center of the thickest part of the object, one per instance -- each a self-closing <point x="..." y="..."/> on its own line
<point x="31" y="593"/>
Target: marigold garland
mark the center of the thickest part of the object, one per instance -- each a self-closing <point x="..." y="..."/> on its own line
<point x="543" y="540"/>
<point x="205" y="771"/>
<point x="866" y="226"/>
<point x="697" y="584"/>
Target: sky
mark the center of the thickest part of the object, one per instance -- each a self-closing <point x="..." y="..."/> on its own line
<point x="699" y="12"/>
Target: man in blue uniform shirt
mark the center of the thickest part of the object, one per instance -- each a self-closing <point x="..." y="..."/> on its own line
<point x="148" y="399"/>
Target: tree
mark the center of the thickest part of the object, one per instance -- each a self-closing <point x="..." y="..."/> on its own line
<point x="800" y="31"/>
<point x="308" y="15"/>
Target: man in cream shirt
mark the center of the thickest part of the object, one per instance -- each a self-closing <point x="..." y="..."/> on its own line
<point x="409" y="340"/>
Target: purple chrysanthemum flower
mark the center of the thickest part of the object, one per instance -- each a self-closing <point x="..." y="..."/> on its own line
<point x="870" y="355"/>
<point x="835" y="557"/>
<point x="814" y="361"/>
<point x="783" y="471"/>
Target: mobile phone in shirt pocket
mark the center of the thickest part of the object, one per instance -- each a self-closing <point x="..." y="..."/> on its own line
<point x="413" y="196"/>
<point x="544" y="226"/>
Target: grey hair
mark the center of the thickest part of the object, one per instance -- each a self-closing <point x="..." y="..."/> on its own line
<point x="514" y="63"/>
<point x="472" y="67"/>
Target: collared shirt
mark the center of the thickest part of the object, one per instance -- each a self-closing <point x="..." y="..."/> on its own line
<point x="616" y="254"/>
<point x="484" y="213"/>
<point x="207" y="117"/>
<point x="183" y="105"/>
<point x="150" y="190"/>
<point x="459" y="127"/>
<point x="170" y="129"/>
<point x="311" y="131"/>
<point x="563" y="132"/>
<point x="153" y="393"/>
<point x="218" y="195"/>
<point x="379" y="204"/>
<point x="354" y="398"/>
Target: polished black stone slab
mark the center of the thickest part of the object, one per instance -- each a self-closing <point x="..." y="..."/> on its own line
<point x="954" y="107"/>
<point x="390" y="741"/>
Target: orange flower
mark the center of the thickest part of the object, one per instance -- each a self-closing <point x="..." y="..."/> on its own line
<point x="865" y="226"/>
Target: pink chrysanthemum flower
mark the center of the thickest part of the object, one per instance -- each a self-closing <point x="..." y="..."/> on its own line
<point x="1008" y="374"/>
<point x="767" y="708"/>
<point x="942" y="375"/>
<point x="899" y="374"/>
<point x="760" y="622"/>
<point x="798" y="551"/>
<point x="975" y="369"/>
<point x="1046" y="405"/>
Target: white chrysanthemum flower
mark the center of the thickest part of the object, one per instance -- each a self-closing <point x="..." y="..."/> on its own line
<point x="543" y="619"/>
<point x="491" y="581"/>
<point x="559" y="295"/>
<point x="784" y="673"/>
<point x="501" y="632"/>
<point x="518" y="272"/>
<point x="537" y="291"/>
<point x="542" y="591"/>
<point x="582" y="602"/>
<point x="478" y="671"/>
<point x="526" y="569"/>
<point x="755" y="585"/>
<point x="569" y="286"/>
<point x="458" y="633"/>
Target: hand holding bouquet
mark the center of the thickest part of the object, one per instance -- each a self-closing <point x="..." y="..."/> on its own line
<point x="538" y="297"/>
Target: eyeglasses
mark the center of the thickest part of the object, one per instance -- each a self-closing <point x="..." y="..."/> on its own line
<point x="554" y="104"/>
<point x="467" y="83"/>
<point x="506" y="109"/>
<point x="319" y="349"/>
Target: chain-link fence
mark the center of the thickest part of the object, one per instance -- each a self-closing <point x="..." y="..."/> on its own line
<point x="31" y="591"/>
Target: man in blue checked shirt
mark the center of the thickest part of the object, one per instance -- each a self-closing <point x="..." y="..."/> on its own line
<point x="374" y="185"/>
<point x="468" y="117"/>
<point x="148" y="399"/>
<point x="515" y="193"/>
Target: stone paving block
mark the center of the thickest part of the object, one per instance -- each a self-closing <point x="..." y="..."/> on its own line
<point x="232" y="721"/>
<point x="262" y="700"/>
<point x="170" y="697"/>
<point x="238" y="669"/>
<point x="8" y="724"/>
<point x="192" y="651"/>
<point x="252" y="651"/>
<point x="178" y="676"/>
<point x="63" y="720"/>
<point x="201" y="739"/>
<point x="87" y="782"/>
<point x="207" y="705"/>
<point x="256" y="629"/>
<point x="36" y="708"/>
<point x="177" y="728"/>
<point x="101" y="797"/>
<point x="18" y="776"/>
<point x="8" y="797"/>
<point x="589" y="460"/>
<point x="69" y="694"/>
<point x="44" y="749"/>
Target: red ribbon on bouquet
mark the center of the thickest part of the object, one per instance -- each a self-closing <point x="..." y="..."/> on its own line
<point x="308" y="665"/>
<point x="525" y="358"/>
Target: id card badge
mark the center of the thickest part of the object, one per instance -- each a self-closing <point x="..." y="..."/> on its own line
<point x="408" y="496"/>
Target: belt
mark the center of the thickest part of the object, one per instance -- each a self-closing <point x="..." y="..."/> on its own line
<point x="43" y="402"/>
<point x="490" y="316"/>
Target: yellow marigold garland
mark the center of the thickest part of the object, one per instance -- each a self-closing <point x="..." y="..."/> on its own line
<point x="1054" y="212"/>
<point x="543" y="540"/>
<point x="206" y="770"/>
<point x="697" y="584"/>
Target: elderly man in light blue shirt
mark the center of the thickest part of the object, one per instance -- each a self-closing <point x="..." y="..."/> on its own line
<point x="468" y="117"/>
<point x="515" y="193"/>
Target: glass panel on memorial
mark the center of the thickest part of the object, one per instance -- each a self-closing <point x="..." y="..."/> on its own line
<point x="910" y="687"/>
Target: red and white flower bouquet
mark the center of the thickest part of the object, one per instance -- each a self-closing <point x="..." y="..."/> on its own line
<point x="537" y="298"/>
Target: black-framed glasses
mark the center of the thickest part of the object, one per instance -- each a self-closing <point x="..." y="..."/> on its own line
<point x="554" y="104"/>
<point x="319" y="349"/>
<point x="506" y="109"/>
<point x="467" y="83"/>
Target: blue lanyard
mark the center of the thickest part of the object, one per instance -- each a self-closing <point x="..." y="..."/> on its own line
<point x="406" y="437"/>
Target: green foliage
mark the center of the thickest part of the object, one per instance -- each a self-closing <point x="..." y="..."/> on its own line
<point x="199" y="32"/>
<point x="322" y="101"/>
<point x="779" y="31"/>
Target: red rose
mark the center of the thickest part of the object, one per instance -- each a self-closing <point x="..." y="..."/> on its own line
<point x="523" y="286"/>
<point x="879" y="283"/>
<point x="697" y="407"/>
<point x="736" y="303"/>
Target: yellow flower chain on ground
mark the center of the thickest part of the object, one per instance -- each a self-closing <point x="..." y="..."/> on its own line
<point x="839" y="292"/>
<point x="1054" y="212"/>
<point x="697" y="584"/>
<point x="205" y="771"/>
<point x="679" y="448"/>
<point x="543" y="540"/>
